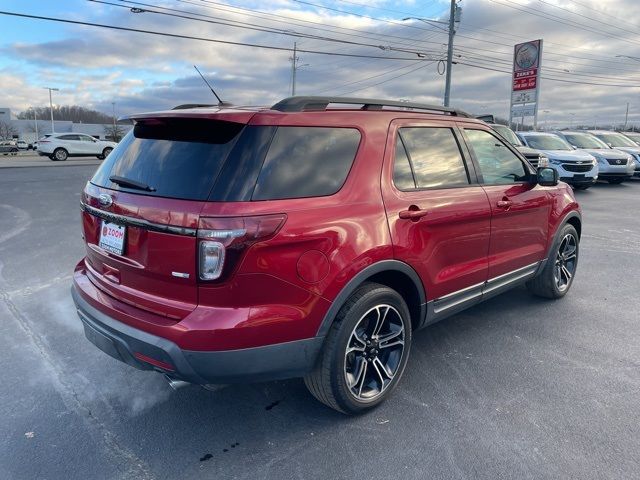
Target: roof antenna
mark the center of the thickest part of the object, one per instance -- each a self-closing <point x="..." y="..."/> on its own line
<point x="220" y="102"/>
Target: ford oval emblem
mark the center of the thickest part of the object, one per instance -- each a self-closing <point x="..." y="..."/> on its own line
<point x="619" y="162"/>
<point x="105" y="200"/>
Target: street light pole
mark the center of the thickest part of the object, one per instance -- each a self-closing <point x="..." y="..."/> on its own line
<point x="452" y="32"/>
<point x="51" y="105"/>
<point x="113" y="104"/>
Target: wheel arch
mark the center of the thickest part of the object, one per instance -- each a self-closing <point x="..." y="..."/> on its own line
<point x="392" y="273"/>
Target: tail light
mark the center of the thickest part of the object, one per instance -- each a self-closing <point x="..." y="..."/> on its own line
<point x="223" y="240"/>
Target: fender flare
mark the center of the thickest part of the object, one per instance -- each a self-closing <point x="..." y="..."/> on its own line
<point x="562" y="223"/>
<point x="360" y="277"/>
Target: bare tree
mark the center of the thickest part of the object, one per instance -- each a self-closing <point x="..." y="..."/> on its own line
<point x="7" y="131"/>
<point x="114" y="132"/>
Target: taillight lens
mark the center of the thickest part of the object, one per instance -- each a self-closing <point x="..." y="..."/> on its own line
<point x="223" y="239"/>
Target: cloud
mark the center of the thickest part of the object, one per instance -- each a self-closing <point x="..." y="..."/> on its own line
<point x="144" y="72"/>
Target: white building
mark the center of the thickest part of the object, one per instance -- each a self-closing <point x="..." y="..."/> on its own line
<point x="26" y="129"/>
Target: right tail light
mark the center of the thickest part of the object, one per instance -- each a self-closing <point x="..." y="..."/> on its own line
<point x="222" y="240"/>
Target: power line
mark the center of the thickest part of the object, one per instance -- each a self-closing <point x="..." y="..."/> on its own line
<point x="189" y="37"/>
<point x="387" y="80"/>
<point x="247" y="26"/>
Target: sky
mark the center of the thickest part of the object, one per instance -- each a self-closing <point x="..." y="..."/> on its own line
<point x="365" y="48"/>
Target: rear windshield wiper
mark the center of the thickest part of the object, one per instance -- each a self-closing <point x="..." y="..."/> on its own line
<point x="127" y="182"/>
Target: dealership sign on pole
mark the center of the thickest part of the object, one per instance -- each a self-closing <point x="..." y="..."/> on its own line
<point x="525" y="85"/>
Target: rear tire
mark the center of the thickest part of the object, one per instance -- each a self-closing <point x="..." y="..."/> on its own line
<point x="106" y="152"/>
<point x="365" y="352"/>
<point x="556" y="278"/>
<point x="60" y="155"/>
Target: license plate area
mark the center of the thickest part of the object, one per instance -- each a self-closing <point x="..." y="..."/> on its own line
<point x="112" y="237"/>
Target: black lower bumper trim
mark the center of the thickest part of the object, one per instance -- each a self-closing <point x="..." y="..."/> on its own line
<point x="270" y="362"/>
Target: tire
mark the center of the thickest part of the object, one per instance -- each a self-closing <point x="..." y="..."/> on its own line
<point x="100" y="157"/>
<point x="615" y="181"/>
<point x="60" y="155"/>
<point x="353" y="382"/>
<point x="555" y="281"/>
<point x="106" y="152"/>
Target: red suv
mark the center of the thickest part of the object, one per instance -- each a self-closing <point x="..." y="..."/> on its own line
<point x="309" y="239"/>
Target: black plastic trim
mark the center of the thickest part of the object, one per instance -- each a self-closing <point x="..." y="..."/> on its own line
<point x="360" y="277"/>
<point x="269" y="362"/>
<point x="311" y="103"/>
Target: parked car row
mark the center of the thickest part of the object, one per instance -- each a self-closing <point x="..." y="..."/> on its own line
<point x="581" y="157"/>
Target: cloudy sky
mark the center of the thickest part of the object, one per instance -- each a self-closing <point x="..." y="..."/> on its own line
<point x="355" y="47"/>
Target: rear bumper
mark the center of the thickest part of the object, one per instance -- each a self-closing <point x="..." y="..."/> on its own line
<point x="145" y="351"/>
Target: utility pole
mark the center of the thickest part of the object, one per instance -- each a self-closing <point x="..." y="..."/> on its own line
<point x="35" y="119"/>
<point x="294" y="61"/>
<point x="452" y="32"/>
<point x="626" y="117"/>
<point x="51" y="105"/>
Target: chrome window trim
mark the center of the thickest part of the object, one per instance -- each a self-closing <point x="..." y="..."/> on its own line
<point x="138" y="222"/>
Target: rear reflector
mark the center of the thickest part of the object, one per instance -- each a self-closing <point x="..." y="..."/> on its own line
<point x="154" y="362"/>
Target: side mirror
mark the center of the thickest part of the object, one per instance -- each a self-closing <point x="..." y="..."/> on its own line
<point x="610" y="145"/>
<point x="547" y="177"/>
<point x="574" y="147"/>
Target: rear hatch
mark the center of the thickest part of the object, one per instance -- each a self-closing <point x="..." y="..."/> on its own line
<point x="141" y="210"/>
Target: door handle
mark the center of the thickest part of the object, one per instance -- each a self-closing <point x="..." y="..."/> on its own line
<point x="412" y="214"/>
<point x="504" y="203"/>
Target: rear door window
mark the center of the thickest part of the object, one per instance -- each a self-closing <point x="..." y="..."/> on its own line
<point x="435" y="157"/>
<point x="306" y="162"/>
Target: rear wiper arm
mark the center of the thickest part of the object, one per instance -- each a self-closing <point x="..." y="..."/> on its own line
<point x="127" y="182"/>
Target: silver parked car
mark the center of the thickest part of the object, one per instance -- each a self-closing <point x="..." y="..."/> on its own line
<point x="620" y="142"/>
<point x="578" y="169"/>
<point x="614" y="165"/>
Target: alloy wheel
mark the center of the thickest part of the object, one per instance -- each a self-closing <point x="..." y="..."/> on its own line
<point x="566" y="261"/>
<point x="374" y="352"/>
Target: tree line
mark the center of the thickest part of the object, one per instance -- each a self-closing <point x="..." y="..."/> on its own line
<point x="73" y="113"/>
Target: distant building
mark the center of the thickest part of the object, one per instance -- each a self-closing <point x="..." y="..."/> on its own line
<point x="26" y="129"/>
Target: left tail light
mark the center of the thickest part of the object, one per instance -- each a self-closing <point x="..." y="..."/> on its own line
<point x="222" y="241"/>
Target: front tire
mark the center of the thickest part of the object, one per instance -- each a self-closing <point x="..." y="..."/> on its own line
<point x="556" y="278"/>
<point x="365" y="352"/>
<point x="60" y="155"/>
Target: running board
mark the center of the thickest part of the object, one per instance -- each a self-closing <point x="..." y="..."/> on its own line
<point x="455" y="302"/>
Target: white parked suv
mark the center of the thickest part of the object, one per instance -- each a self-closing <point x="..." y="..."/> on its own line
<point x="575" y="167"/>
<point x="614" y="166"/>
<point x="60" y="146"/>
<point x="620" y="142"/>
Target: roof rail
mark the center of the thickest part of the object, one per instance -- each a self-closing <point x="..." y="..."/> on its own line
<point x="301" y="104"/>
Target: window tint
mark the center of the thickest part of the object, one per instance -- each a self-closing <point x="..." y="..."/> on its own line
<point x="402" y="174"/>
<point x="498" y="164"/>
<point x="179" y="158"/>
<point x="68" y="137"/>
<point x="435" y="156"/>
<point x="86" y="138"/>
<point x="306" y="162"/>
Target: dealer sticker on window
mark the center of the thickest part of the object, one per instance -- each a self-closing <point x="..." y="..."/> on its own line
<point x="112" y="237"/>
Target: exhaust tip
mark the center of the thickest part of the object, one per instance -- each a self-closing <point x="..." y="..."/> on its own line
<point x="175" y="384"/>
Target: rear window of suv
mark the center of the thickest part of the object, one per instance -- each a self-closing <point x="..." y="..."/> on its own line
<point x="222" y="161"/>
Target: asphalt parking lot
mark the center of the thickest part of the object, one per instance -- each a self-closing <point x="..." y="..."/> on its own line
<point x="517" y="387"/>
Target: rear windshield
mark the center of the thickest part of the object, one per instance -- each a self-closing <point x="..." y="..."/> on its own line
<point x="175" y="158"/>
<point x="222" y="161"/>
